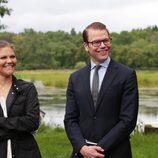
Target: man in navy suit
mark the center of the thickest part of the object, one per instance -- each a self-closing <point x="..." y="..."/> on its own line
<point x="101" y="128"/>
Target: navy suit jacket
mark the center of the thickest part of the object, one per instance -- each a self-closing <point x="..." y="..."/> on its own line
<point x="110" y="124"/>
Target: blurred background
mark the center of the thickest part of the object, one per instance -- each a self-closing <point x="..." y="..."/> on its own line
<point x="48" y="43"/>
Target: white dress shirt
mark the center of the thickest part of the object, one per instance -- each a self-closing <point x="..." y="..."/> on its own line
<point x="101" y="72"/>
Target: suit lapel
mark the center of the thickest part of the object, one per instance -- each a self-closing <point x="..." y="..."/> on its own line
<point x="108" y="79"/>
<point x="86" y="79"/>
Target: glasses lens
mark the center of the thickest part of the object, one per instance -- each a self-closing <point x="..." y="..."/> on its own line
<point x="106" y="41"/>
<point x="96" y="43"/>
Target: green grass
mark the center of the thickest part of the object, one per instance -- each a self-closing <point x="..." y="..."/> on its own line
<point x="54" y="143"/>
<point x="147" y="78"/>
<point x="59" y="78"/>
<point x="145" y="146"/>
<point x="55" y="78"/>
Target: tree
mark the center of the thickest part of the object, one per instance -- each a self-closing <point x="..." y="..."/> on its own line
<point x="4" y="11"/>
<point x="73" y="32"/>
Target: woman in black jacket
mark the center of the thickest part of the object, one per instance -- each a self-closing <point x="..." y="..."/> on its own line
<point x="19" y="110"/>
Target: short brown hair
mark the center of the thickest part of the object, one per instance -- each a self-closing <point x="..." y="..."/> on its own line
<point x="94" y="25"/>
<point x="6" y="44"/>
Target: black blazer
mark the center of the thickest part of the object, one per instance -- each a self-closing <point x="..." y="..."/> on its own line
<point x="23" y="119"/>
<point x="115" y="117"/>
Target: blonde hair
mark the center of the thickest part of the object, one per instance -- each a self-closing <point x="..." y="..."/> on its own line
<point x="6" y="44"/>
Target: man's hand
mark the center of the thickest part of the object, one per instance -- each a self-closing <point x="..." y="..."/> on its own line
<point x="92" y="151"/>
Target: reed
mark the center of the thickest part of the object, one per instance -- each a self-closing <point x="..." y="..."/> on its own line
<point x="54" y="78"/>
<point x="147" y="78"/>
<point x="59" y="78"/>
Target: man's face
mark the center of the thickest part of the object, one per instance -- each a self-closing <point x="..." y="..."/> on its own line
<point x="98" y="45"/>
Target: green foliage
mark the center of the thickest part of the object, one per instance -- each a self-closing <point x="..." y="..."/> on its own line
<point x="60" y="50"/>
<point x="137" y="49"/>
<point x="80" y="64"/>
<point x="4" y="11"/>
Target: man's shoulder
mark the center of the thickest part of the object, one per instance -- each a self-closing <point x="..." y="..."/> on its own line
<point x="121" y="67"/>
<point x="81" y="71"/>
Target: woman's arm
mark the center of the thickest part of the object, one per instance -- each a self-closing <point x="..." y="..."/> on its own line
<point x="29" y="121"/>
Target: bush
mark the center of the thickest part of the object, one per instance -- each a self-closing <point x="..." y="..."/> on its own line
<point x="80" y="64"/>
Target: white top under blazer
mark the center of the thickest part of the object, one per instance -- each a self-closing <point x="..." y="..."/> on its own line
<point x="4" y="108"/>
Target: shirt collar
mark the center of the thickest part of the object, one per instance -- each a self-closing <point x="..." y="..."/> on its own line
<point x="104" y="64"/>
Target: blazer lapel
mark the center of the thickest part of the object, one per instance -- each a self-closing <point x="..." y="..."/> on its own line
<point x="108" y="78"/>
<point x="12" y="95"/>
<point x="10" y="98"/>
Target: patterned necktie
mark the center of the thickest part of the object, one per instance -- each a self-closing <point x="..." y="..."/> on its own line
<point x="95" y="85"/>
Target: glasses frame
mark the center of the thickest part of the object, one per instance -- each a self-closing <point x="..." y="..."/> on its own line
<point x="97" y="43"/>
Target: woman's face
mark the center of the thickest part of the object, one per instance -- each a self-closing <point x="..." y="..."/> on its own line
<point x="7" y="61"/>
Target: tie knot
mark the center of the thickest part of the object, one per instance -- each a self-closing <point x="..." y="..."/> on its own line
<point x="97" y="67"/>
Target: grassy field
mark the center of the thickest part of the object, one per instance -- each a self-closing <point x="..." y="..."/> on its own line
<point x="59" y="78"/>
<point x="55" y="78"/>
<point x="53" y="143"/>
<point x="147" y="78"/>
<point x="145" y="146"/>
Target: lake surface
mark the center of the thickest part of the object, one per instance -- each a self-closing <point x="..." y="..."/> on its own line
<point x="52" y="102"/>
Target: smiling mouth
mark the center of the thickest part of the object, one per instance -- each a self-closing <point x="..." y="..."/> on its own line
<point x="9" y="66"/>
<point x="103" y="51"/>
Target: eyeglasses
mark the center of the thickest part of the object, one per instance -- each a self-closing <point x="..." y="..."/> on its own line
<point x="97" y="43"/>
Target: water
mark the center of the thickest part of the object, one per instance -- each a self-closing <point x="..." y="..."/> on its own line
<point x="52" y="101"/>
<point x="148" y="109"/>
